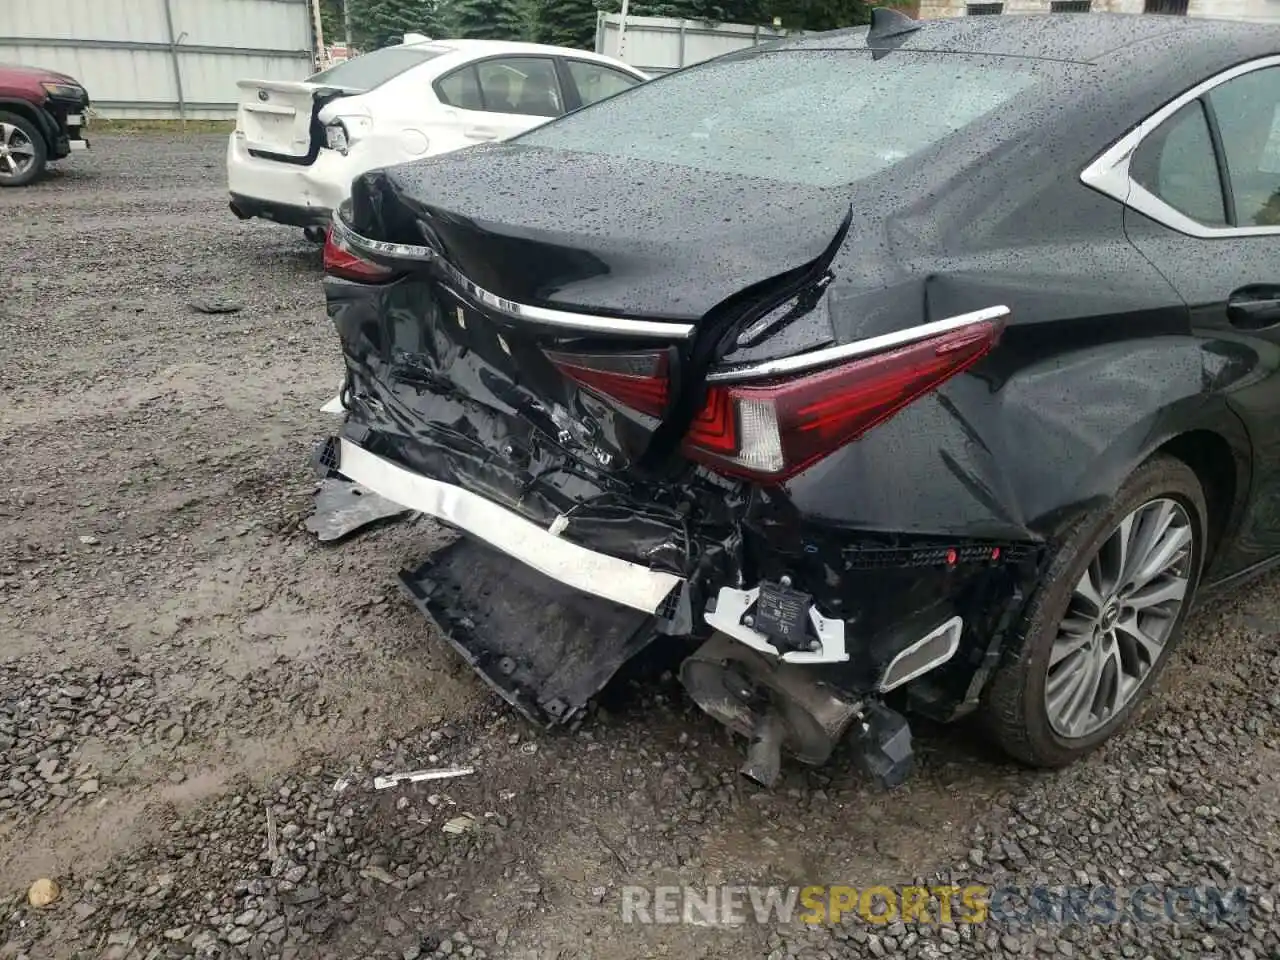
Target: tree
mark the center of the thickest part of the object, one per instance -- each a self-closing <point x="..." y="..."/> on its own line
<point x="331" y="21"/>
<point x="489" y="19"/>
<point x="708" y="11"/>
<point x="567" y="23"/>
<point x="523" y="20"/>
<point x="795" y="14"/>
<point x="381" y="23"/>
<point x="819" y="14"/>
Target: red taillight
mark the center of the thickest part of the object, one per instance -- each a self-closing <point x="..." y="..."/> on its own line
<point x="772" y="431"/>
<point x="641" y="381"/>
<point x="340" y="261"/>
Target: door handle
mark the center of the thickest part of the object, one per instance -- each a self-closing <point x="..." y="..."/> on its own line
<point x="1254" y="308"/>
<point x="482" y="133"/>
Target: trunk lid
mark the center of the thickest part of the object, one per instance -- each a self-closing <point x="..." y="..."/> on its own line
<point x="578" y="314"/>
<point x="277" y="116"/>
<point x="595" y="234"/>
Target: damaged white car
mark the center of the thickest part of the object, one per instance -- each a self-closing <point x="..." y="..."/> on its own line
<point x="298" y="144"/>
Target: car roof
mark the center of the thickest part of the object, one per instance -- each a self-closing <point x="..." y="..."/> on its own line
<point x="1072" y="37"/>
<point x="485" y="48"/>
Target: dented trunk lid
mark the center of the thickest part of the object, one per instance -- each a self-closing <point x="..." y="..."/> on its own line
<point x="275" y="116"/>
<point x="538" y="267"/>
<point x="571" y="231"/>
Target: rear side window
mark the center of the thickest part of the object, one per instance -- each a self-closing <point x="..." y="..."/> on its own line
<point x="1177" y="164"/>
<point x="371" y="70"/>
<point x="461" y="89"/>
<point x="1247" y="110"/>
<point x="519" y="85"/>
<point x="523" y="85"/>
<point x="822" y="118"/>
<point x="595" y="81"/>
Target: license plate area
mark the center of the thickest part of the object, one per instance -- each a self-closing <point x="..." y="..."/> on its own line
<point x="276" y="130"/>
<point x="271" y="124"/>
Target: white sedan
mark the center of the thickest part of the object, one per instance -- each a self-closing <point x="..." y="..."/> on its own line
<point x="298" y="144"/>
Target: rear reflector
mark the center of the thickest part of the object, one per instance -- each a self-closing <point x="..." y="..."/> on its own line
<point x="340" y="261"/>
<point x="772" y="431"/>
<point x="639" y="380"/>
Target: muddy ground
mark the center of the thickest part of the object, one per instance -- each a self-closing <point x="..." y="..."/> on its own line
<point x="195" y="695"/>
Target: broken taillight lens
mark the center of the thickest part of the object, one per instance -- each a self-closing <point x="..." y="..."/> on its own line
<point x="639" y="380"/>
<point x="771" y="431"/>
<point x="340" y="261"/>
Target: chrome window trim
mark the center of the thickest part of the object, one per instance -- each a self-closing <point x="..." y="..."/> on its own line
<point x="1109" y="172"/>
<point x="584" y="322"/>
<point x="859" y="348"/>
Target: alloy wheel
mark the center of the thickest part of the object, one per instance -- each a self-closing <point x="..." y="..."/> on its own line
<point x="17" y="152"/>
<point x="1121" y="614"/>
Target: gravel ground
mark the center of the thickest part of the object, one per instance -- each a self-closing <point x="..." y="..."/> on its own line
<point x="195" y="696"/>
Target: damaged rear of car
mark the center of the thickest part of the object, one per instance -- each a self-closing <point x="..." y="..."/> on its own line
<point x="709" y="365"/>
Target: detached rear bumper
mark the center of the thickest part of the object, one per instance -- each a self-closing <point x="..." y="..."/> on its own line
<point x="610" y="578"/>
<point x="878" y="613"/>
<point x="547" y="633"/>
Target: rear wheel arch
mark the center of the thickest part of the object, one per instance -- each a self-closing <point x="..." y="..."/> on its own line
<point x="1198" y="435"/>
<point x="1220" y="470"/>
<point x="1203" y="432"/>
<point x="1012" y="700"/>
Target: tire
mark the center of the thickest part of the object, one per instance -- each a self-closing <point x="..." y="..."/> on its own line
<point x="1014" y="707"/>
<point x="16" y="130"/>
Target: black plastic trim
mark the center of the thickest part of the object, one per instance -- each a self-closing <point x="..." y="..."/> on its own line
<point x="246" y="208"/>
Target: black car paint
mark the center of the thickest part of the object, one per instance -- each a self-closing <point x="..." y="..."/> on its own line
<point x="1204" y="273"/>
<point x="615" y="244"/>
<point x="999" y="462"/>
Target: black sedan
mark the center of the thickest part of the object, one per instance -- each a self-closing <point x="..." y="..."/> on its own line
<point x="923" y="368"/>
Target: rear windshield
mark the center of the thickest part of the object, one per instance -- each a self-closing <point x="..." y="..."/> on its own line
<point x="821" y="117"/>
<point x="370" y="70"/>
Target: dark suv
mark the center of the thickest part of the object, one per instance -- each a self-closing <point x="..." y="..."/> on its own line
<point x="42" y="118"/>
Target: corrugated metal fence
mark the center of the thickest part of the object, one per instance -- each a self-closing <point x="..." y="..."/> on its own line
<point x="662" y="44"/>
<point x="160" y="59"/>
